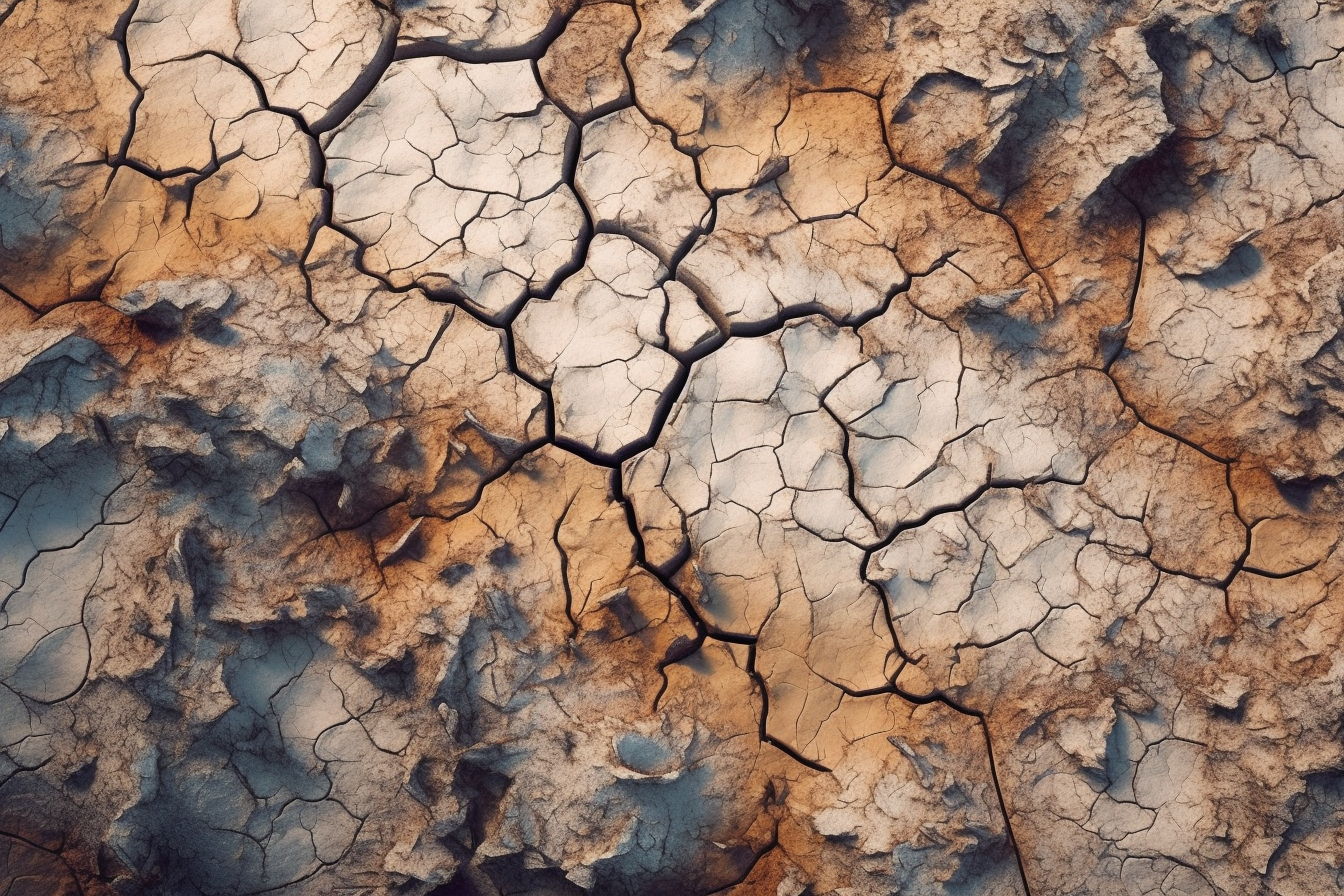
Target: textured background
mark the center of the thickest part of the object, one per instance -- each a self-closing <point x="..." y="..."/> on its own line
<point x="750" y="446"/>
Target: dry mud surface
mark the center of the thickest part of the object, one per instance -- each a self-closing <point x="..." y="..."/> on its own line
<point x="785" y="447"/>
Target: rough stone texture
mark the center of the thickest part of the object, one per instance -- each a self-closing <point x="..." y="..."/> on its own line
<point x="739" y="446"/>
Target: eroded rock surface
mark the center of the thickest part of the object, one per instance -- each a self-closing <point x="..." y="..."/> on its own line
<point x="751" y="447"/>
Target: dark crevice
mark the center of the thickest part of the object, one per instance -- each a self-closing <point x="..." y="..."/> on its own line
<point x="4" y="16"/>
<point x="531" y="51"/>
<point x="982" y="723"/>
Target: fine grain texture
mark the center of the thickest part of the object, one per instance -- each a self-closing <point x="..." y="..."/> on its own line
<point x="688" y="447"/>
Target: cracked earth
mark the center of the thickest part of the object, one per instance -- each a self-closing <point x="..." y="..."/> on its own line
<point x="785" y="447"/>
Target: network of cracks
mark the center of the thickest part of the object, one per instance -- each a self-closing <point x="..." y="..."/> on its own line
<point x="754" y="446"/>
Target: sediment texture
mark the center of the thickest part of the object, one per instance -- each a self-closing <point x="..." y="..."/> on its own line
<point x="742" y="446"/>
